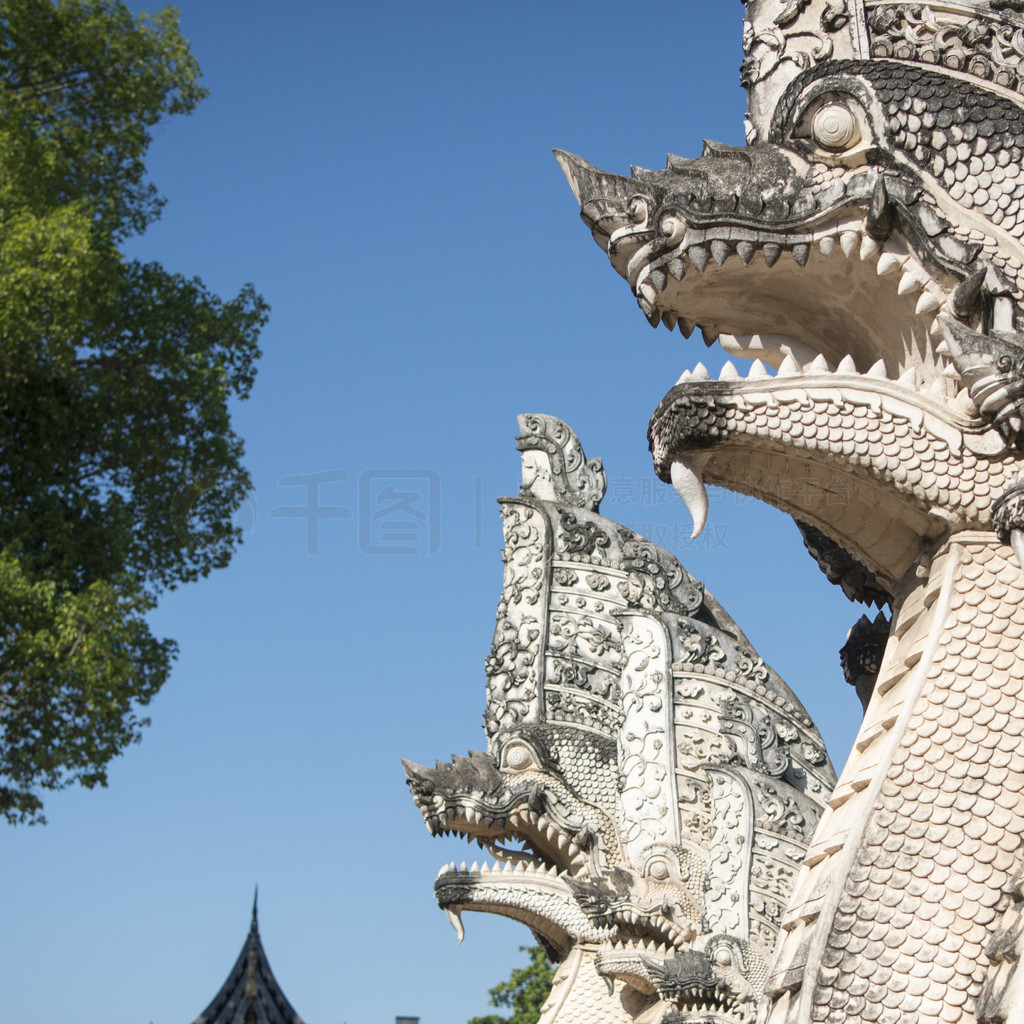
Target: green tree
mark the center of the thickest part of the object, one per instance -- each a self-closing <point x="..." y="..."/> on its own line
<point x="524" y="992"/>
<point x="119" y="470"/>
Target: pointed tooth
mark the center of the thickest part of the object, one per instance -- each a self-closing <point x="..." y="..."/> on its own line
<point x="668" y="318"/>
<point x="677" y="268"/>
<point x="964" y="403"/>
<point x="928" y="302"/>
<point x="462" y="867"/>
<point x="881" y="213"/>
<point x="942" y="348"/>
<point x="455" y="920"/>
<point x="719" y="250"/>
<point x="819" y="364"/>
<point x="709" y="334"/>
<point x="827" y="246"/>
<point x="684" y="376"/>
<point x="729" y="372"/>
<point x="909" y="282"/>
<point x="868" y="247"/>
<point x="745" y="251"/>
<point x="789" y="367"/>
<point x="966" y="296"/>
<point x="685" y="327"/>
<point x="950" y="372"/>
<point x="801" y="251"/>
<point x="908" y="378"/>
<point x="758" y="371"/>
<point x="914" y="277"/>
<point x="888" y="263"/>
<point x="878" y="371"/>
<point x="847" y="365"/>
<point x="848" y="242"/>
<point x="659" y="279"/>
<point x="646" y="290"/>
<point x="771" y="252"/>
<point x="689" y="485"/>
<point x="700" y="372"/>
<point x="698" y="257"/>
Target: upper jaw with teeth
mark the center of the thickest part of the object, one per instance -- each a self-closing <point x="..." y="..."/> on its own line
<point x="473" y="798"/>
<point x="805" y="243"/>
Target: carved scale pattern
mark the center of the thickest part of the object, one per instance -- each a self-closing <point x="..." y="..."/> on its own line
<point x="905" y="933"/>
<point x="864" y="447"/>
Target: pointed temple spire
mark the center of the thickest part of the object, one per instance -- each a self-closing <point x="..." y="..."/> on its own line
<point x="251" y="994"/>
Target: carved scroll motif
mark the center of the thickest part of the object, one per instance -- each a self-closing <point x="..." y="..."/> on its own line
<point x="987" y="48"/>
<point x="514" y="662"/>
<point x="727" y="893"/>
<point x="646" y="780"/>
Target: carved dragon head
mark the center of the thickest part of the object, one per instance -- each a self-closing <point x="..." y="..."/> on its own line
<point x="650" y="785"/>
<point x="865" y="251"/>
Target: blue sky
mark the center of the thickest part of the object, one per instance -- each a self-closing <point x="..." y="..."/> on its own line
<point x="383" y="173"/>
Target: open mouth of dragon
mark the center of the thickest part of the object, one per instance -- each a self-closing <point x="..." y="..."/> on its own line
<point x="542" y="852"/>
<point x="689" y="981"/>
<point x="520" y="839"/>
<point x="826" y="387"/>
<point x="531" y="881"/>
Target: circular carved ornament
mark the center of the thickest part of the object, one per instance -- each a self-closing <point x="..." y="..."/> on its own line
<point x="834" y="126"/>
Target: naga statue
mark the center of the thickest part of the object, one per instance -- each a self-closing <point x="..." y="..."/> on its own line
<point x="864" y="251"/>
<point x="650" y="787"/>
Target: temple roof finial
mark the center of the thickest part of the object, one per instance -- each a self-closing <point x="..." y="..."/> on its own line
<point x="250" y="992"/>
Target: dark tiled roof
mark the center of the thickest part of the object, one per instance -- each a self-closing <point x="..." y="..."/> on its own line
<point x="251" y="994"/>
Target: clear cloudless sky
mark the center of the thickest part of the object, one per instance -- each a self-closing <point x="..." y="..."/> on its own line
<point x="383" y="173"/>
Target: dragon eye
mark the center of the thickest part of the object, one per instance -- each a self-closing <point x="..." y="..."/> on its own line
<point x="518" y="757"/>
<point x="723" y="956"/>
<point x="834" y="126"/>
<point x="659" y="870"/>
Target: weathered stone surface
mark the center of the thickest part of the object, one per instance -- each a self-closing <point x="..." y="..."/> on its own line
<point x="868" y="246"/>
<point x="650" y="785"/>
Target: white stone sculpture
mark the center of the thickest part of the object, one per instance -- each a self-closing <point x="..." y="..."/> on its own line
<point x="650" y="785"/>
<point x="865" y="251"/>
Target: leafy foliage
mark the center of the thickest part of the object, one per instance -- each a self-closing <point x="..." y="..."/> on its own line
<point x="119" y="471"/>
<point x="525" y="991"/>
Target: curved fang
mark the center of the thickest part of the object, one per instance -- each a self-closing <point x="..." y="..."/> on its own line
<point x="455" y="920"/>
<point x="689" y="485"/>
